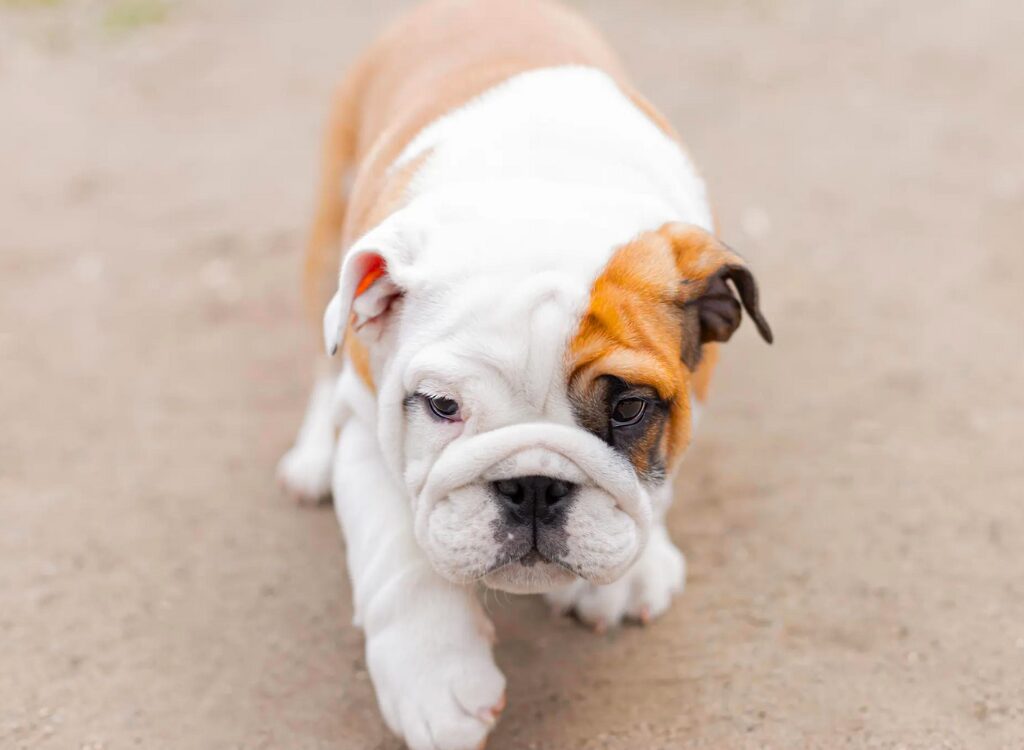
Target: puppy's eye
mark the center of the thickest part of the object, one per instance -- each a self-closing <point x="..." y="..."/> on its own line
<point x="444" y="408"/>
<point x="628" y="412"/>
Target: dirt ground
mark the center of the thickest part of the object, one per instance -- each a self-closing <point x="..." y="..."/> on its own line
<point x="852" y="511"/>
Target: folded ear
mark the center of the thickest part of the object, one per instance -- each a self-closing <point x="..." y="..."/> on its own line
<point x="711" y="311"/>
<point x="366" y="295"/>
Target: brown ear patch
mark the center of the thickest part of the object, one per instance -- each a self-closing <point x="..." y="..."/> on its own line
<point x="655" y="315"/>
<point x="712" y="312"/>
<point x="715" y="313"/>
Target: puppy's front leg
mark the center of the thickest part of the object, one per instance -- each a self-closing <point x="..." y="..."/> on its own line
<point x="428" y="642"/>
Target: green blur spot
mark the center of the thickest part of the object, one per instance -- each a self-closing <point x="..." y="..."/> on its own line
<point x="125" y="16"/>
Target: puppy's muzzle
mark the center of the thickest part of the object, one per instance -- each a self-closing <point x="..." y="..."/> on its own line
<point x="536" y="473"/>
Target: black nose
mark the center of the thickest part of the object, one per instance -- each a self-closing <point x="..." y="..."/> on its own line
<point x="527" y="498"/>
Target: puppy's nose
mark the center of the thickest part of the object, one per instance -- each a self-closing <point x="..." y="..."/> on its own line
<point x="537" y="497"/>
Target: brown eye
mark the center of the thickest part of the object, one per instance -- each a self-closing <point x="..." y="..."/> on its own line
<point x="445" y="408"/>
<point x="628" y="412"/>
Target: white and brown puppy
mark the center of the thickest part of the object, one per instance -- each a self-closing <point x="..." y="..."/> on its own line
<point x="529" y="303"/>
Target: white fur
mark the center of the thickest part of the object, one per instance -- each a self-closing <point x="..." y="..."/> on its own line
<point x="696" y="412"/>
<point x="522" y="199"/>
<point x="566" y="125"/>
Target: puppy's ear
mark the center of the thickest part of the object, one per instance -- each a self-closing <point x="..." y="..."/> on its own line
<point x="367" y="292"/>
<point x="711" y="311"/>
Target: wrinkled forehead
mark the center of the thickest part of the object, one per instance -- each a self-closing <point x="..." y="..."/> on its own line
<point x="495" y="340"/>
<point x="501" y="282"/>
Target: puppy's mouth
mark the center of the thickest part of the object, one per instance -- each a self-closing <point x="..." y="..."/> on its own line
<point x="528" y="572"/>
<point x="527" y="559"/>
<point x="533" y="557"/>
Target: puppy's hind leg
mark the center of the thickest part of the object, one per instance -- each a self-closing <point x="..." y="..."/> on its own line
<point x="305" y="470"/>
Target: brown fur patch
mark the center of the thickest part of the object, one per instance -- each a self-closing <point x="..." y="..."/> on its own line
<point x="700" y="383"/>
<point x="359" y="356"/>
<point x="634" y="328"/>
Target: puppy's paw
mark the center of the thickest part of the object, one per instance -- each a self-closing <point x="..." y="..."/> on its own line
<point x="643" y="593"/>
<point x="304" y="472"/>
<point x="439" y="688"/>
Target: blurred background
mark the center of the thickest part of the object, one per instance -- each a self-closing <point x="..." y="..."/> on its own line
<point x="852" y="510"/>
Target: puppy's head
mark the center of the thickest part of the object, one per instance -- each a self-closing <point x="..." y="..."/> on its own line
<point x="535" y="412"/>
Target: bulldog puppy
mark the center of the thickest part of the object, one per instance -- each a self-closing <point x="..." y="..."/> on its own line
<point x="527" y="315"/>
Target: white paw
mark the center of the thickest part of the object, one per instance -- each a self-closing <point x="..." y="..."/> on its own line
<point x="436" y="681"/>
<point x="305" y="471"/>
<point x="643" y="593"/>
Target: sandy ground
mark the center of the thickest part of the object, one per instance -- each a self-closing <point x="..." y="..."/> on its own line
<point x="852" y="512"/>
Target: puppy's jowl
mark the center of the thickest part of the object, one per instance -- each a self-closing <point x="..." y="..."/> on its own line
<point x="526" y="320"/>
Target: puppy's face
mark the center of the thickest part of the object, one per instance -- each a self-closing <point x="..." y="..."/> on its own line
<point x="510" y="486"/>
<point x="534" y="419"/>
